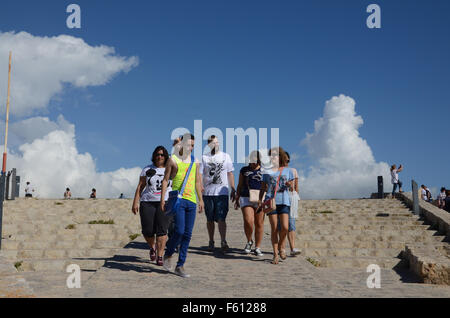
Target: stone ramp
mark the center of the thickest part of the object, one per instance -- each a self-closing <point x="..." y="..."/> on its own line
<point x="237" y="274"/>
<point x="127" y="272"/>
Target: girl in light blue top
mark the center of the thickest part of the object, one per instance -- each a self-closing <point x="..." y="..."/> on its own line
<point x="279" y="162"/>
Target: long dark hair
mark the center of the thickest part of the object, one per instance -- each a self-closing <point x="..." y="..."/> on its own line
<point x="282" y="158"/>
<point x="258" y="157"/>
<point x="165" y="154"/>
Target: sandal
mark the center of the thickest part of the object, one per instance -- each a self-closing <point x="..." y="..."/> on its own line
<point x="283" y="254"/>
<point x="152" y="255"/>
<point x="159" y="261"/>
<point x="275" y="260"/>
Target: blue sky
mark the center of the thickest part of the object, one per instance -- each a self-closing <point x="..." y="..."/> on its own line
<point x="257" y="64"/>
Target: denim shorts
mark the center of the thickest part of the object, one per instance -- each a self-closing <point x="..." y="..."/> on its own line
<point x="281" y="209"/>
<point x="216" y="207"/>
<point x="245" y="201"/>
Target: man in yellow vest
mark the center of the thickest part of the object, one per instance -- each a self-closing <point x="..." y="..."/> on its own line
<point x="176" y="169"/>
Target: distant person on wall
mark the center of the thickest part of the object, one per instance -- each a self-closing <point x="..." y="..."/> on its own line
<point x="441" y="198"/>
<point x="93" y="194"/>
<point x="121" y="196"/>
<point x="250" y="180"/>
<point x="447" y="201"/>
<point x="217" y="173"/>
<point x="67" y="194"/>
<point x="426" y="194"/>
<point x="147" y="198"/>
<point x="395" y="180"/>
<point x="29" y="190"/>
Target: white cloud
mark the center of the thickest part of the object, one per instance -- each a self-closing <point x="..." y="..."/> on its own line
<point x="346" y="167"/>
<point x="52" y="163"/>
<point x="42" y="65"/>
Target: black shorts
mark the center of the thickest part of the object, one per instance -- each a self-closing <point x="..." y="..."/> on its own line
<point x="28" y="195"/>
<point x="153" y="220"/>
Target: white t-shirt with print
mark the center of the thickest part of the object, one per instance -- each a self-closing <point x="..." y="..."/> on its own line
<point x="215" y="170"/>
<point x="394" y="176"/>
<point x="29" y="189"/>
<point x="154" y="177"/>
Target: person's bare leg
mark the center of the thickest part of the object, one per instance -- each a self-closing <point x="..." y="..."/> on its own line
<point x="291" y="239"/>
<point x="259" y="227"/>
<point x="210" y="226"/>
<point x="160" y="245"/>
<point x="222" y="230"/>
<point x="274" y="236"/>
<point x="247" y="213"/>
<point x="284" y="220"/>
<point x="150" y="241"/>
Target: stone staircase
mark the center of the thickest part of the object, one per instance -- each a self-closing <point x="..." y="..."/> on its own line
<point x="48" y="235"/>
<point x="356" y="233"/>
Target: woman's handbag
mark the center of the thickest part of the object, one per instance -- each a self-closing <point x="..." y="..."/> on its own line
<point x="253" y="194"/>
<point x="270" y="204"/>
<point x="173" y="203"/>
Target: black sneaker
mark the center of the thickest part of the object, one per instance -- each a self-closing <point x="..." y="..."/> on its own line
<point x="211" y="246"/>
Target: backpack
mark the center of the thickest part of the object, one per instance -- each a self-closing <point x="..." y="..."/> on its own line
<point x="428" y="194"/>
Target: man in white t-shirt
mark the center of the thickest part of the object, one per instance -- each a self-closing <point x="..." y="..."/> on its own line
<point x="425" y="193"/>
<point x="394" y="179"/>
<point x="217" y="170"/>
<point x="29" y="190"/>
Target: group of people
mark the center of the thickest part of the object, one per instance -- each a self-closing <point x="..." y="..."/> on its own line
<point x="68" y="194"/>
<point x="442" y="199"/>
<point x="208" y="186"/>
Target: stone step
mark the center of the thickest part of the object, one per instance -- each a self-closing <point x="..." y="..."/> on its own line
<point x="70" y="235"/>
<point x="63" y="244"/>
<point x="359" y="262"/>
<point x="358" y="222"/>
<point x="59" y="265"/>
<point x="358" y="244"/>
<point x="366" y="237"/>
<point x="17" y="255"/>
<point x="350" y="252"/>
<point x="338" y="227"/>
<point x="61" y="229"/>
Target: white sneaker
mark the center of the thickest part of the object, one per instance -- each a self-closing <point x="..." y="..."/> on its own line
<point x="295" y="252"/>
<point x="167" y="264"/>
<point x="248" y="247"/>
<point x="258" y="252"/>
<point x="180" y="272"/>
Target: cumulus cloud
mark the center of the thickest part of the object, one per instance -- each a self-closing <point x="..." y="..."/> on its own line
<point x="345" y="166"/>
<point x="43" y="65"/>
<point x="52" y="163"/>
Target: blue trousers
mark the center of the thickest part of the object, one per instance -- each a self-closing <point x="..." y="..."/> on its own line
<point x="184" y="223"/>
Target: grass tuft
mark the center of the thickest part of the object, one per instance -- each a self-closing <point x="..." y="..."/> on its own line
<point x="110" y="221"/>
<point x="17" y="265"/>
<point x="133" y="236"/>
<point x="313" y="261"/>
<point x="70" y="227"/>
